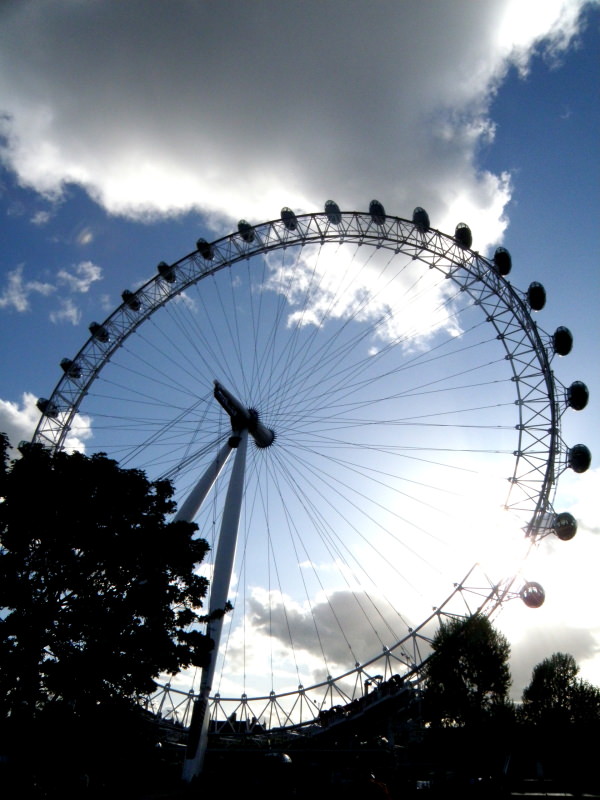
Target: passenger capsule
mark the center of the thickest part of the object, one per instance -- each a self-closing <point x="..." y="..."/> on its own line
<point x="289" y="219"/>
<point x="334" y="215"/>
<point x="420" y="219"/>
<point x="99" y="332"/>
<point x="377" y="212"/>
<point x="47" y="408"/>
<point x="246" y="231"/>
<point x="205" y="249"/>
<point x="562" y="341"/>
<point x="130" y="300"/>
<point x="564" y="526"/>
<point x="536" y="296"/>
<point x="463" y="236"/>
<point x="579" y="458"/>
<point x="502" y="261"/>
<point x="533" y="595"/>
<point x="70" y="368"/>
<point x="166" y="272"/>
<point x="578" y="395"/>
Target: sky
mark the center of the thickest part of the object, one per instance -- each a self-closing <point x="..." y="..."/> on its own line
<point x="127" y="130"/>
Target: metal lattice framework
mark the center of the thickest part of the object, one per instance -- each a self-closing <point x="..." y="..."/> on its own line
<point x="395" y="671"/>
<point x="539" y="456"/>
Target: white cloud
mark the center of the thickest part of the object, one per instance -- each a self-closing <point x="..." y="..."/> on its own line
<point x="41" y="218"/>
<point x="68" y="312"/>
<point x="83" y="276"/>
<point x="290" y="104"/>
<point x="85" y="237"/>
<point x="17" y="291"/>
<point x="106" y="303"/>
<point x="343" y="287"/>
<point x="79" y="433"/>
<point x="522" y="22"/>
<point x="19" y="421"/>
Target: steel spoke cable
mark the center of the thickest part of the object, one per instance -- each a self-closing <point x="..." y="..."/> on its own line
<point x="318" y="523"/>
<point x="353" y="388"/>
<point x="315" y="328"/>
<point x="157" y="376"/>
<point x="316" y="491"/>
<point x="356" y="369"/>
<point x="336" y="547"/>
<point x="293" y="541"/>
<point x="154" y="338"/>
<point x="334" y="482"/>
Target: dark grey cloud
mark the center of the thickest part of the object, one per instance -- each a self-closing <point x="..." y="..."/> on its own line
<point x="237" y="109"/>
<point x="345" y="627"/>
<point x="541" y="643"/>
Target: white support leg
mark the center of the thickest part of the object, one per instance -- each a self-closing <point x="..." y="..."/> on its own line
<point x="198" y="734"/>
<point x="196" y="497"/>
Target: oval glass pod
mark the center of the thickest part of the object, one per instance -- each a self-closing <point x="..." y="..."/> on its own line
<point x="533" y="595"/>
<point x="246" y="231"/>
<point x="99" y="332"/>
<point x="502" y="261"/>
<point x="205" y="249"/>
<point x="70" y="368"/>
<point x="579" y="458"/>
<point x="289" y="219"/>
<point x="334" y="215"/>
<point x="536" y="296"/>
<point x="166" y="272"/>
<point x="463" y="236"/>
<point x="377" y="212"/>
<point x="130" y="300"/>
<point x="564" y="526"/>
<point x="420" y="219"/>
<point x="562" y="341"/>
<point x="578" y="395"/>
<point x="47" y="408"/>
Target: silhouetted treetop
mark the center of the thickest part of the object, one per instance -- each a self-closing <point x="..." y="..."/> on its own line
<point x="97" y="589"/>
<point x="467" y="677"/>
<point x="556" y="696"/>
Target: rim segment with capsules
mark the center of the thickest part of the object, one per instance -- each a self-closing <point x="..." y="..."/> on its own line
<point x="416" y="422"/>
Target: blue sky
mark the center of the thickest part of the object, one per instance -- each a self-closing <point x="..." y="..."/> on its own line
<point x="113" y="160"/>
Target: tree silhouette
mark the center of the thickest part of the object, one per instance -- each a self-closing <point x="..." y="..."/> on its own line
<point x="467" y="678"/>
<point x="556" y="696"/>
<point x="99" y="593"/>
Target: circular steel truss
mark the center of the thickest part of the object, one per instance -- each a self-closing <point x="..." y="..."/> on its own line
<point x="539" y="454"/>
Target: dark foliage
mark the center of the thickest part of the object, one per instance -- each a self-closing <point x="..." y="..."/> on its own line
<point x="97" y="592"/>
<point x="556" y="696"/>
<point x="467" y="677"/>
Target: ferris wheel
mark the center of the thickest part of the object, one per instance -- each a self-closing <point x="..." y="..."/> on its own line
<point x="400" y="424"/>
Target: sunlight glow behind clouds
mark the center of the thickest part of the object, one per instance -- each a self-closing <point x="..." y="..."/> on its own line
<point x="254" y="109"/>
